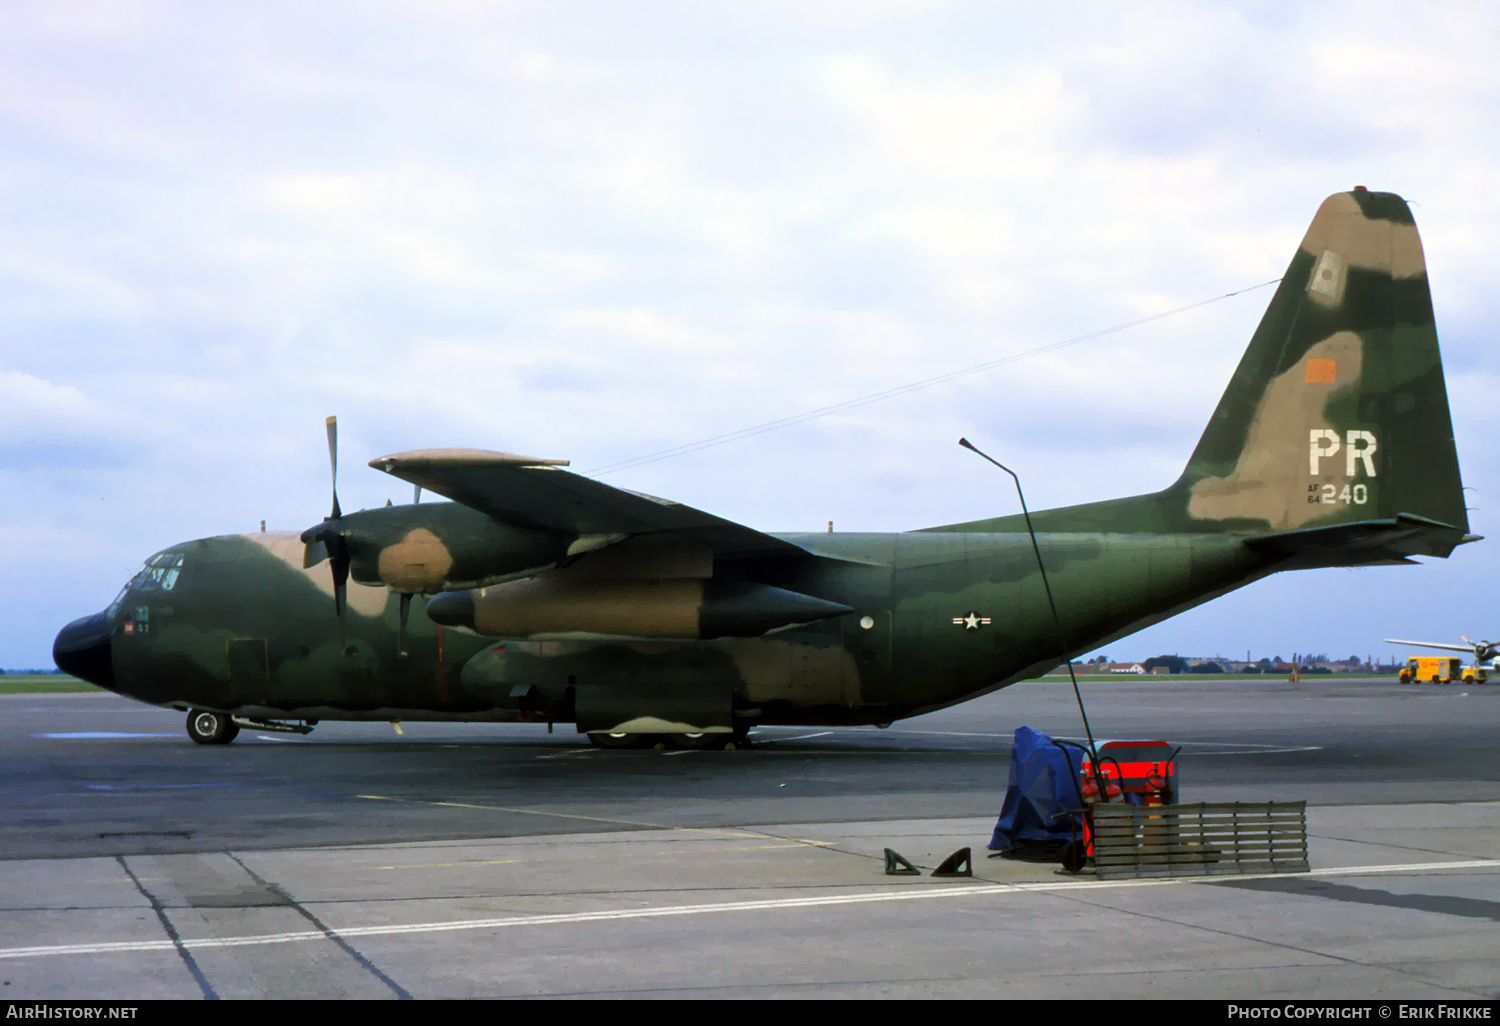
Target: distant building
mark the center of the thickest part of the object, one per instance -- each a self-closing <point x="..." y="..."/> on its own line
<point x="1124" y="668"/>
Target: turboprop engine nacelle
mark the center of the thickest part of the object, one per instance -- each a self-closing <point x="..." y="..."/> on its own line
<point x="443" y="547"/>
<point x="683" y="609"/>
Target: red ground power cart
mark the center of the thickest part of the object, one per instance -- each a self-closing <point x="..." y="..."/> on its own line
<point x="1138" y="772"/>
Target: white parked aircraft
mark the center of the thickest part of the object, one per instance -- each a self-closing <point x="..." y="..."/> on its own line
<point x="1484" y="652"/>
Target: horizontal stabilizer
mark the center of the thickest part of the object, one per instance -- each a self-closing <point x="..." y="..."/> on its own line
<point x="1362" y="543"/>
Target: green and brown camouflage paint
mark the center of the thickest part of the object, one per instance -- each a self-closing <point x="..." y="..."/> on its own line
<point x="1332" y="445"/>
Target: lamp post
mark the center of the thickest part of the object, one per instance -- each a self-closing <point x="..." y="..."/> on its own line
<point x="1061" y="636"/>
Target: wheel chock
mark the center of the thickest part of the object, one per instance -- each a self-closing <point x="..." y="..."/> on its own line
<point x="896" y="865"/>
<point x="958" y="864"/>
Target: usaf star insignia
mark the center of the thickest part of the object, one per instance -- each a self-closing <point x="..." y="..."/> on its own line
<point x="971" y="621"/>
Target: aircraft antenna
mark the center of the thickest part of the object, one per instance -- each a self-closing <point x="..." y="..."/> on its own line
<point x="891" y="393"/>
<point x="1061" y="636"/>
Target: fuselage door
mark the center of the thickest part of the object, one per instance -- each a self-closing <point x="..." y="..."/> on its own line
<point x="249" y="673"/>
<point x="871" y="648"/>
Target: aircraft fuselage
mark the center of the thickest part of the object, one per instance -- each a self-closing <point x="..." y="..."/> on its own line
<point x="937" y="618"/>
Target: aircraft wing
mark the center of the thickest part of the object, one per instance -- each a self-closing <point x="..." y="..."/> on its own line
<point x="538" y="493"/>
<point x="1433" y="644"/>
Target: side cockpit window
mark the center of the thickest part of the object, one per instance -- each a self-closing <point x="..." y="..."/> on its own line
<point x="160" y="573"/>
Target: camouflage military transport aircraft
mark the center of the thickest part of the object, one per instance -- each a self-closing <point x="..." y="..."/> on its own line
<point x="551" y="597"/>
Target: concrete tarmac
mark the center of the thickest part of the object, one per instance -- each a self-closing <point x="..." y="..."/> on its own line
<point x="462" y="860"/>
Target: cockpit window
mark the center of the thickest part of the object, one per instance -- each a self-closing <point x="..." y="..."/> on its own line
<point x="160" y="573"/>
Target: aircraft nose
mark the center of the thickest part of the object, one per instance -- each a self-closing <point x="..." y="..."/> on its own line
<point x="82" y="649"/>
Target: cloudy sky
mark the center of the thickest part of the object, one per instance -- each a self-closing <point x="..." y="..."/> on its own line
<point x="594" y="231"/>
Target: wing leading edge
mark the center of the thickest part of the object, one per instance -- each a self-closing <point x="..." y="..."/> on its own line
<point x="538" y="493"/>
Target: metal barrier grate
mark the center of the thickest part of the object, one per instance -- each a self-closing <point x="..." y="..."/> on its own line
<point x="1202" y="839"/>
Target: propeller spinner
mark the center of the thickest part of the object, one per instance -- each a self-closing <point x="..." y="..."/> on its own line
<point x="1483" y="650"/>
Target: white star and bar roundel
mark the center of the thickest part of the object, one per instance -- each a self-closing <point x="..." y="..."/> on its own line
<point x="971" y="621"/>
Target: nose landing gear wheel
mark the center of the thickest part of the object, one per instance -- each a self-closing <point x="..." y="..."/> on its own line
<point x="211" y="728"/>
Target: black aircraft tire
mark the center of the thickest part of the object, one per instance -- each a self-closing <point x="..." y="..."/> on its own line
<point x="618" y="741"/>
<point x="699" y="741"/>
<point x="211" y="728"/>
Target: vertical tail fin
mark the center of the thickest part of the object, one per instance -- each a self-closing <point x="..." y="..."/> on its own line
<point x="1338" y="412"/>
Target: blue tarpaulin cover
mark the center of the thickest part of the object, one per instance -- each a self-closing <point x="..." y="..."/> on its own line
<point x="1043" y="787"/>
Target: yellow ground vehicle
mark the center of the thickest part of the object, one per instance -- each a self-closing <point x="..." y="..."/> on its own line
<point x="1440" y="670"/>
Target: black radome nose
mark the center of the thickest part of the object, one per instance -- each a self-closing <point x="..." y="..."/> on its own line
<point x="82" y="649"/>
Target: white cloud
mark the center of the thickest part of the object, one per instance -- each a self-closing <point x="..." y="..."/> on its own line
<point x="31" y="405"/>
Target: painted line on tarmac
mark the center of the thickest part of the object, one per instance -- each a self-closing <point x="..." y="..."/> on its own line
<point x="876" y="732"/>
<point x="151" y="787"/>
<point x="612" y="855"/>
<point x="977" y="890"/>
<point x="95" y="735"/>
<point x="53" y="708"/>
<point x="1263" y="751"/>
<point x="1254" y="748"/>
<point x="730" y="831"/>
<point x="49" y="695"/>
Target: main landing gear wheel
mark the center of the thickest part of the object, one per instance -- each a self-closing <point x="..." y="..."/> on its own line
<point x="699" y="741"/>
<point x="739" y="737"/>
<point x="211" y="728"/>
<point x="603" y="740"/>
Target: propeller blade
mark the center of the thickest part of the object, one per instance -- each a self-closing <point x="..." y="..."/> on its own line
<point x="333" y="462"/>
<point x="340" y="560"/>
<point x="417" y="495"/>
<point x="401" y="625"/>
<point x="314" y="553"/>
<point x="326" y="540"/>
